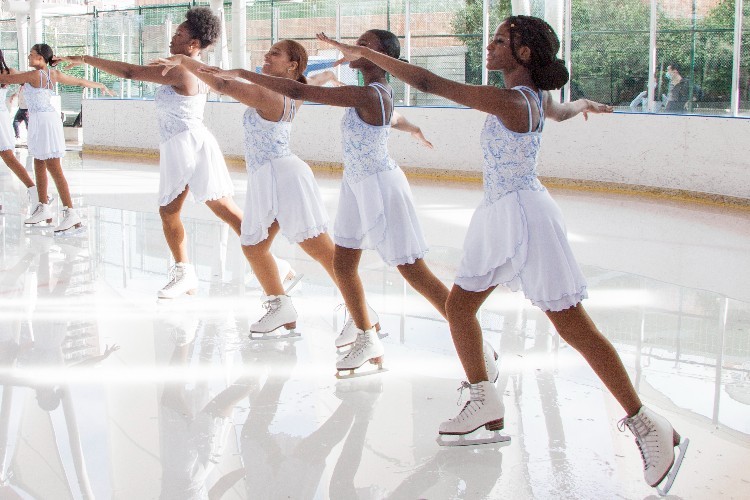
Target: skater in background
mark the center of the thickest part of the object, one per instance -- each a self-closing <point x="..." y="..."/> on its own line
<point x="46" y="141"/>
<point x="517" y="236"/>
<point x="376" y="210"/>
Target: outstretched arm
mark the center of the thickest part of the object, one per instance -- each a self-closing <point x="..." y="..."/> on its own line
<point x="81" y="82"/>
<point x="20" y="78"/>
<point x="560" y="112"/>
<point x="129" y="71"/>
<point x="347" y="96"/>
<point x="398" y="122"/>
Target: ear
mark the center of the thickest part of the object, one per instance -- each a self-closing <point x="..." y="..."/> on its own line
<point x="524" y="53"/>
<point x="294" y="66"/>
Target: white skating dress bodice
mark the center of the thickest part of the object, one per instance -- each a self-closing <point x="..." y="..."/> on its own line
<point x="510" y="158"/>
<point x="267" y="140"/>
<point x="39" y="99"/>
<point x="365" y="146"/>
<point x="3" y="97"/>
<point x="178" y="113"/>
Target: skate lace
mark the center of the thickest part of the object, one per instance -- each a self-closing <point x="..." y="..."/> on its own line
<point x="645" y="437"/>
<point x="473" y="405"/>
<point x="362" y="343"/>
<point x="39" y="208"/>
<point x="271" y="306"/>
<point x="172" y="277"/>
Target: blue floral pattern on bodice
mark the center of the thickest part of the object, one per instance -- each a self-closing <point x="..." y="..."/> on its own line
<point x="265" y="140"/>
<point x="510" y="159"/>
<point x="39" y="99"/>
<point x="365" y="146"/>
<point x="178" y="113"/>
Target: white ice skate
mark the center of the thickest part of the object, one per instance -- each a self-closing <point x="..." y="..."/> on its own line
<point x="483" y="409"/>
<point x="279" y="312"/>
<point x="182" y="279"/>
<point x="490" y="362"/>
<point x="42" y="213"/>
<point x="34" y="196"/>
<point x="367" y="347"/>
<point x="70" y="224"/>
<point x="656" y="439"/>
<point x="289" y="278"/>
<point x="349" y="333"/>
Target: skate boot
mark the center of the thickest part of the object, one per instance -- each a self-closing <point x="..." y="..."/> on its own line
<point x="656" y="439"/>
<point x="490" y="362"/>
<point x="483" y="409"/>
<point x="182" y="279"/>
<point x="367" y="347"/>
<point x="34" y="196"/>
<point x="42" y="213"/>
<point x="349" y="333"/>
<point x="279" y="312"/>
<point x="289" y="278"/>
<point x="70" y="223"/>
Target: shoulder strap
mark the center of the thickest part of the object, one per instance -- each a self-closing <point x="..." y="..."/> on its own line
<point x="538" y="100"/>
<point x="378" y="88"/>
<point x="288" y="116"/>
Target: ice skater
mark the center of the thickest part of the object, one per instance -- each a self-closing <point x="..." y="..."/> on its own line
<point x="46" y="141"/>
<point x="376" y="209"/>
<point x="190" y="160"/>
<point x="282" y="195"/>
<point x="517" y="235"/>
<point x="7" y="139"/>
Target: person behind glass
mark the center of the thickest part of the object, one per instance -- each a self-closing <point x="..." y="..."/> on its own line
<point x="375" y="210"/>
<point x="282" y="195"/>
<point x="7" y="141"/>
<point x="46" y="141"/>
<point x="22" y="113"/>
<point x="517" y="235"/>
<point x="679" y="90"/>
<point x="190" y="160"/>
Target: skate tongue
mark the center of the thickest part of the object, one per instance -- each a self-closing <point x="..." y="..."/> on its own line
<point x="464" y="385"/>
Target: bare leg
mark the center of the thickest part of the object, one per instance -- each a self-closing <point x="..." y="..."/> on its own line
<point x="174" y="230"/>
<point x="461" y="308"/>
<point x="228" y="211"/>
<point x="577" y="329"/>
<point x="40" y="173"/>
<point x="345" y="266"/>
<point x="419" y="276"/>
<point x="321" y="249"/>
<point x="56" y="172"/>
<point x="263" y="264"/>
<point x="15" y="166"/>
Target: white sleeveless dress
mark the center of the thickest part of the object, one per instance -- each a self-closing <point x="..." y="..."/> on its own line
<point x="280" y="186"/>
<point x="376" y="208"/>
<point x="188" y="153"/>
<point x="45" y="138"/>
<point x="517" y="235"/>
<point x="7" y="137"/>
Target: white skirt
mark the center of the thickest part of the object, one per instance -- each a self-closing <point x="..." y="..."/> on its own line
<point x="193" y="158"/>
<point x="7" y="136"/>
<point x="45" y="138"/>
<point x="377" y="213"/>
<point x="284" y="189"/>
<point x="520" y="241"/>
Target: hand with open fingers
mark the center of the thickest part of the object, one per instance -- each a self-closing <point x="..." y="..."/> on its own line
<point x="107" y="91"/>
<point x="418" y="135"/>
<point x="69" y="61"/>
<point x="349" y="52"/>
<point x="595" y="107"/>
<point x="224" y="74"/>
<point x="167" y="62"/>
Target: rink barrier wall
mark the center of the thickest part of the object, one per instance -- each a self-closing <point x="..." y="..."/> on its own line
<point x="685" y="157"/>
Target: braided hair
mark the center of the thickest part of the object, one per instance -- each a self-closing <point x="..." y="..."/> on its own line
<point x="547" y="70"/>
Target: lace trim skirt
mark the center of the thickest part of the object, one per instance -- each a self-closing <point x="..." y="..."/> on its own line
<point x="193" y="158"/>
<point x="45" y="138"/>
<point x="7" y="136"/>
<point x="283" y="189"/>
<point x="520" y="241"/>
<point x="377" y="213"/>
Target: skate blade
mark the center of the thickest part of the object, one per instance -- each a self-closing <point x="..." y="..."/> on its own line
<point x="352" y="373"/>
<point x="293" y="283"/>
<point x="73" y="231"/>
<point x="675" y="468"/>
<point x="462" y="440"/>
<point x="291" y="335"/>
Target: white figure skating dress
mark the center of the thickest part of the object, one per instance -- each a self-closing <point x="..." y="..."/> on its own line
<point x="376" y="208"/>
<point x="517" y="235"/>
<point x="188" y="153"/>
<point x="45" y="139"/>
<point x="280" y="186"/>
<point x="7" y="137"/>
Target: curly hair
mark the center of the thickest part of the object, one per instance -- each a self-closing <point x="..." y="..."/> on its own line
<point x="204" y="25"/>
<point x="547" y="71"/>
<point x="388" y="41"/>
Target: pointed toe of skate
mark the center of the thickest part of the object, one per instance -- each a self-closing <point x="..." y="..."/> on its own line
<point x="484" y="409"/>
<point x="367" y="349"/>
<point x="281" y="316"/>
